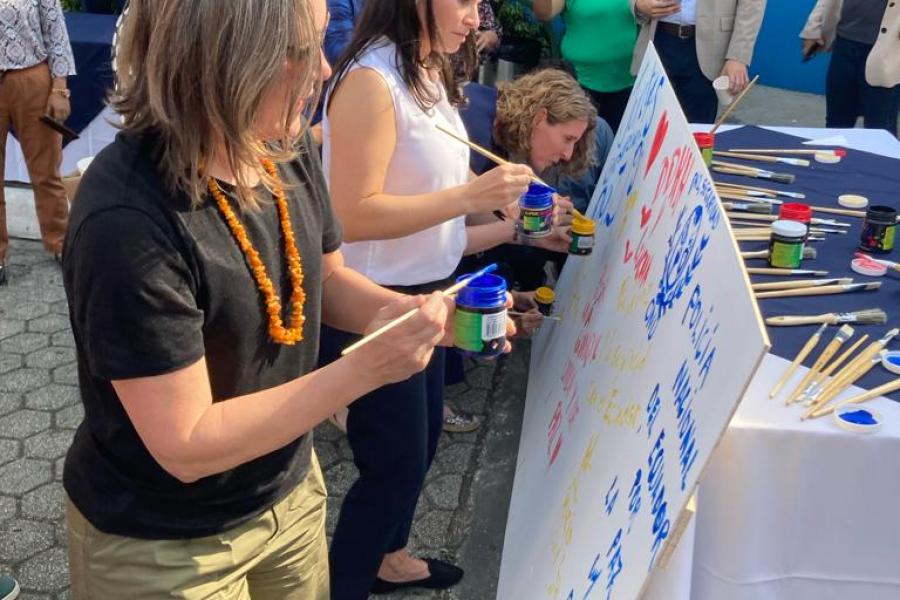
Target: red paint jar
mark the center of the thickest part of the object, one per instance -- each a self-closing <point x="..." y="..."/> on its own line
<point x="706" y="142"/>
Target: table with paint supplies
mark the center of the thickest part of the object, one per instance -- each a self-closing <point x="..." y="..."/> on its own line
<point x="816" y="228"/>
<point x="794" y="503"/>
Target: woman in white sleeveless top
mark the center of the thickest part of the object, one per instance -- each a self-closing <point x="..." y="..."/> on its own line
<point x="410" y="210"/>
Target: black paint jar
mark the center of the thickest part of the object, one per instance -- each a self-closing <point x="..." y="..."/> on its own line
<point x="879" y="229"/>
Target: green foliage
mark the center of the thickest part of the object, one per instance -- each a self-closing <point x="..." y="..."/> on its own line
<point x="518" y="21"/>
<point x="71" y="5"/>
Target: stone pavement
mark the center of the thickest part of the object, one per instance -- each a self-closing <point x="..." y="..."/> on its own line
<point x="461" y="515"/>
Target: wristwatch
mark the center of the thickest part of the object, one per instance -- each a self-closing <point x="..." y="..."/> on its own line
<point x="65" y="92"/>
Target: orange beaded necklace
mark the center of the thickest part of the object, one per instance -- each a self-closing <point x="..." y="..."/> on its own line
<point x="277" y="331"/>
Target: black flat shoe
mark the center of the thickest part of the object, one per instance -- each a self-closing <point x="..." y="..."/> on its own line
<point x="442" y="575"/>
<point x="2" y="275"/>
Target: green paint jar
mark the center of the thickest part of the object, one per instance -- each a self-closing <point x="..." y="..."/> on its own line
<point x="786" y="244"/>
<point x="479" y="324"/>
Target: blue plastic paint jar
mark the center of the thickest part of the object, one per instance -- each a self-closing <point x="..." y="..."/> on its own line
<point x="479" y="325"/>
<point x="536" y="207"/>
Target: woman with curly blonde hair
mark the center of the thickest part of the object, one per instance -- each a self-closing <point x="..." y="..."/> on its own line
<point x="545" y="120"/>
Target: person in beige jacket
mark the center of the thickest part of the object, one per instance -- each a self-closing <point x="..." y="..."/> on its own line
<point x="697" y="41"/>
<point x="864" y="72"/>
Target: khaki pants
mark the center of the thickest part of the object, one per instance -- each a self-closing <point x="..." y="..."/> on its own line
<point x="23" y="100"/>
<point x="279" y="555"/>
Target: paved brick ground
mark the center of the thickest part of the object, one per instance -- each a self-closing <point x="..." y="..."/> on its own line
<point x="40" y="409"/>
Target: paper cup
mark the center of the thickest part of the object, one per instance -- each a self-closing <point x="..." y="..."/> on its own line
<point x="720" y="84"/>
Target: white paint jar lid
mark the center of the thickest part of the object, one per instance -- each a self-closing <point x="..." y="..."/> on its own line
<point x="791" y="229"/>
<point x="853" y="201"/>
<point x="827" y="158"/>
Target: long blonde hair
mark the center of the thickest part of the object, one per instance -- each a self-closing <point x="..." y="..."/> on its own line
<point x="194" y="73"/>
<point x="518" y="103"/>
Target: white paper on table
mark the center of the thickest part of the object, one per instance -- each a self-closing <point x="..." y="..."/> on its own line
<point x="834" y="140"/>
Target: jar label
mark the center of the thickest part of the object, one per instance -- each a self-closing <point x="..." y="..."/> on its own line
<point x="536" y="221"/>
<point x="888" y="242"/>
<point x="585" y="242"/>
<point x="786" y="255"/>
<point x="472" y="329"/>
<point x="493" y="326"/>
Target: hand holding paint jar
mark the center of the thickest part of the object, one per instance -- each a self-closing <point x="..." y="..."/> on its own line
<point x="480" y="320"/>
<point x="535" y="212"/>
<point x="497" y="188"/>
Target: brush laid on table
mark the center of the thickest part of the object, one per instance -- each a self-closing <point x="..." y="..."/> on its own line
<point x="881" y="390"/>
<point x="772" y="192"/>
<point x="842" y="335"/>
<point x="770" y="218"/>
<point x="798" y="360"/>
<point x="754" y="173"/>
<point x="808" y="254"/>
<point x="855" y="369"/>
<point x="797" y="162"/>
<point x="869" y="316"/>
<point x="777" y="271"/>
<point x="809" y="152"/>
<point x="798" y="284"/>
<point x="825" y="290"/>
<point x="831" y="367"/>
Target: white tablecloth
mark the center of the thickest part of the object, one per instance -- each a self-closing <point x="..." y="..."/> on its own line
<point x="98" y="134"/>
<point x="792" y="510"/>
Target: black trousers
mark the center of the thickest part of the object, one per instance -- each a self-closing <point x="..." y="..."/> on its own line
<point x="694" y="91"/>
<point x="393" y="433"/>
<point x="610" y="105"/>
<point x="848" y="96"/>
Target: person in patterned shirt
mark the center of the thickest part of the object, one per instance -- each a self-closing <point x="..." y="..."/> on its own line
<point x="35" y="60"/>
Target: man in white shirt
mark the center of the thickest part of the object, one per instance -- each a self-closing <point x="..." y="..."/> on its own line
<point x="697" y="41"/>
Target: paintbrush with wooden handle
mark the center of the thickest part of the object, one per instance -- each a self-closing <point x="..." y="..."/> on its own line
<point x="808" y="254"/>
<point x="842" y="335"/>
<point x="871" y="316"/>
<point x="777" y="271"/>
<point x="816" y="381"/>
<point x="794" y="284"/>
<point x="851" y="372"/>
<point x="881" y="390"/>
<point x="798" y="360"/>
<point x="837" y="387"/>
<point x="771" y="191"/>
<point x="845" y="288"/>
<point x="450" y="291"/>
<point x="797" y="162"/>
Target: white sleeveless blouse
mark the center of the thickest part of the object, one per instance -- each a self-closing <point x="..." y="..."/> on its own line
<point x="424" y="160"/>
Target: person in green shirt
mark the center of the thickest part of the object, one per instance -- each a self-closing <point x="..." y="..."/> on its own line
<point x="599" y="43"/>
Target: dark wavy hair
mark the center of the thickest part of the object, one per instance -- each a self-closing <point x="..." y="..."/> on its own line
<point x="398" y="21"/>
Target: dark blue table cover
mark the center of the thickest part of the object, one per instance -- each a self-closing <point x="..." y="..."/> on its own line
<point x="91" y="36"/>
<point x="871" y="175"/>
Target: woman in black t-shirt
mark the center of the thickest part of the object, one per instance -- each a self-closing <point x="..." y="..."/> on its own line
<point x="198" y="266"/>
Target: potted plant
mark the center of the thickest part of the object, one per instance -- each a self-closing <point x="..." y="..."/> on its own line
<point x="525" y="39"/>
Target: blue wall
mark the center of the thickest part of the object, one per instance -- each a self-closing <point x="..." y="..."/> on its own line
<point x="777" y="57"/>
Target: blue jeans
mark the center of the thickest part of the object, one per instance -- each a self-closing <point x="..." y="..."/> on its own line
<point x="393" y="433"/>
<point x="847" y="95"/>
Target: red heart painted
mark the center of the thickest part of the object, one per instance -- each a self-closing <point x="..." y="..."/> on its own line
<point x="661" y="129"/>
<point x="645" y="215"/>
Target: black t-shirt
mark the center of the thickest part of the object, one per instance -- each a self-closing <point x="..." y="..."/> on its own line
<point x="153" y="286"/>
